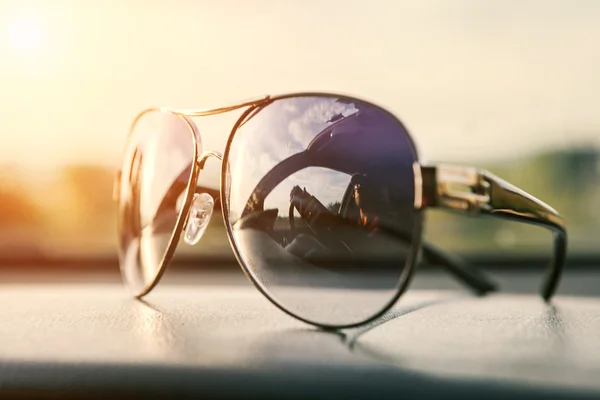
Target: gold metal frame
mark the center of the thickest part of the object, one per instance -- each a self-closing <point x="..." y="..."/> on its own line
<point x="462" y="189"/>
<point x="189" y="194"/>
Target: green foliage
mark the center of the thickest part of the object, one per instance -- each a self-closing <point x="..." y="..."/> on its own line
<point x="334" y="207"/>
<point x="17" y="209"/>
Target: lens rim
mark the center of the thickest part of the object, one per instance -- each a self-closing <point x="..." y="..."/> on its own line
<point x="411" y="261"/>
<point x="181" y="218"/>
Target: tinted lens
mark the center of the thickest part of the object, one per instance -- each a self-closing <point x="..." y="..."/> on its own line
<point x="321" y="206"/>
<point x="154" y="186"/>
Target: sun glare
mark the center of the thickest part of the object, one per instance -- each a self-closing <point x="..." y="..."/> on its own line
<point x="27" y="34"/>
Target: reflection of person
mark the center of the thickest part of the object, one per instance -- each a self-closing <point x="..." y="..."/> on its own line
<point x="329" y="227"/>
<point x="367" y="198"/>
<point x="368" y="201"/>
<point x="310" y="209"/>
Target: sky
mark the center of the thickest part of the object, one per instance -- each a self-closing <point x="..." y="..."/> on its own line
<point x="280" y="130"/>
<point x="471" y="80"/>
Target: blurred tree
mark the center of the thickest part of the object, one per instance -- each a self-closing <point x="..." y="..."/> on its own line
<point x="17" y="209"/>
<point x="91" y="185"/>
<point x="91" y="209"/>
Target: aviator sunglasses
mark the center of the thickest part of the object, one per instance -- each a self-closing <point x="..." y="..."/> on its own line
<point x="323" y="200"/>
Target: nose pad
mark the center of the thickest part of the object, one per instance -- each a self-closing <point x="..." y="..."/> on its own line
<point x="198" y="217"/>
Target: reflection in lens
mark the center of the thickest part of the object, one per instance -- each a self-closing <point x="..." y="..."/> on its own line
<point x="321" y="206"/>
<point x="154" y="182"/>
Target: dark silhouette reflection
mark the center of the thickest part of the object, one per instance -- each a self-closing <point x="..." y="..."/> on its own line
<point x="361" y="226"/>
<point x="331" y="207"/>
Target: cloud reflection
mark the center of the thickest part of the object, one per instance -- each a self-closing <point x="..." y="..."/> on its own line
<point x="281" y="130"/>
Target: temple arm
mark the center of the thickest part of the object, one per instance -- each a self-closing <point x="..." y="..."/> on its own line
<point x="474" y="191"/>
<point x="474" y="279"/>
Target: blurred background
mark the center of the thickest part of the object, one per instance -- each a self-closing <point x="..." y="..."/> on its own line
<point x="511" y="87"/>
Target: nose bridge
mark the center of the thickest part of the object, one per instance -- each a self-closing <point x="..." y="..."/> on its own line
<point x="206" y="155"/>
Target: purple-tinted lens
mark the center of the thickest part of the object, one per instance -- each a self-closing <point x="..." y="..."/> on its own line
<point x="320" y="249"/>
<point x="154" y="184"/>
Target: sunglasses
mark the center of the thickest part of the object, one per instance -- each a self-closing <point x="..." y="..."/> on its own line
<point x="318" y="249"/>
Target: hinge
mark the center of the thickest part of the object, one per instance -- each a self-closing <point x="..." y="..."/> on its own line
<point x="460" y="188"/>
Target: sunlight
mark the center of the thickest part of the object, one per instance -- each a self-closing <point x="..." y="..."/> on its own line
<point x="27" y="34"/>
